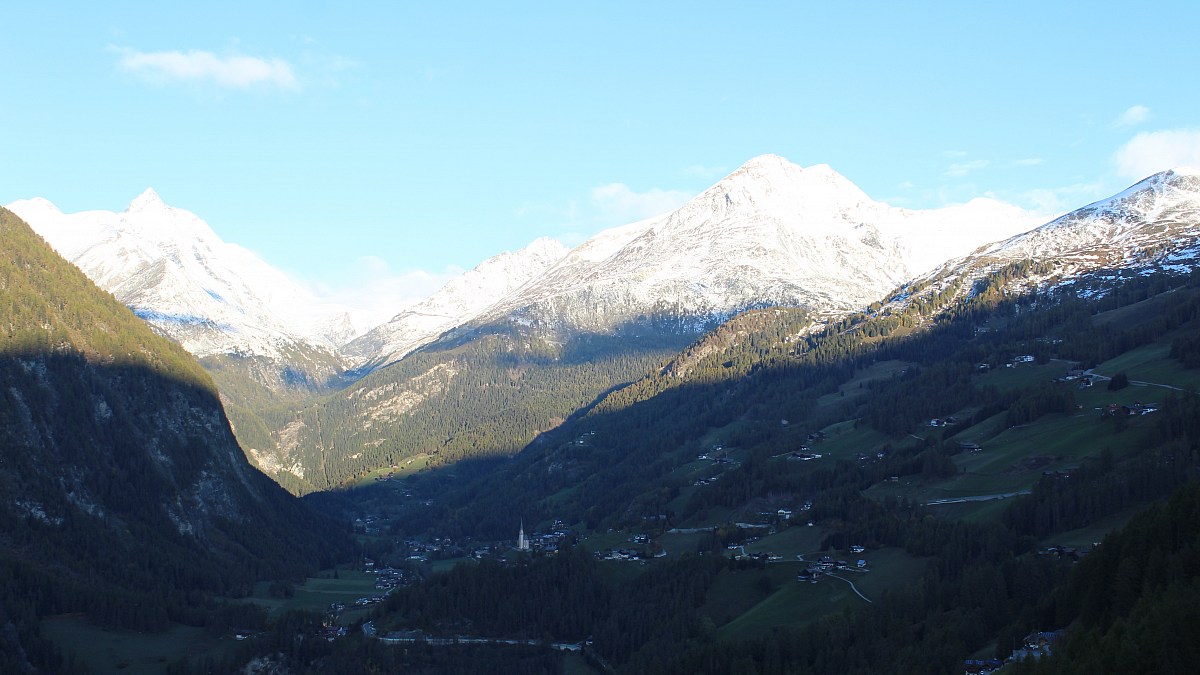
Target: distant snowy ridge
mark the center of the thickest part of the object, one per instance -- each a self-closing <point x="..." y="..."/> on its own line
<point x="1154" y="225"/>
<point x="770" y="233"/>
<point x="459" y="300"/>
<point x="171" y="268"/>
<point x="1161" y="209"/>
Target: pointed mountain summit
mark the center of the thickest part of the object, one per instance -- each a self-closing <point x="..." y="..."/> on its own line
<point x="770" y="233"/>
<point x="146" y="201"/>
<point x="772" y="184"/>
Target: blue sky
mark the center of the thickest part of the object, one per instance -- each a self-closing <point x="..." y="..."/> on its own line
<point x="348" y="144"/>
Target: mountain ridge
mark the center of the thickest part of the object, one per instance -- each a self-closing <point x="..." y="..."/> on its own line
<point x="1153" y="225"/>
<point x="769" y="233"/>
<point x="213" y="308"/>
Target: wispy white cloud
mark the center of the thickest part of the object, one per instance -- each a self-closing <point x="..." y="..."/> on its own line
<point x="375" y="292"/>
<point x="604" y="206"/>
<point x="1056" y="201"/>
<point x="1133" y="116"/>
<point x="235" y="71"/>
<point x="960" y="169"/>
<point x="619" y="204"/>
<point x="1152" y="151"/>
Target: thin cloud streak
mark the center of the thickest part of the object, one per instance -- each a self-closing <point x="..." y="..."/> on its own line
<point x="201" y="67"/>
<point x="961" y="169"/>
<point x="1132" y="116"/>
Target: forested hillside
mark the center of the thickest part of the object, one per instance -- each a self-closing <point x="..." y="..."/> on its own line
<point x="959" y="440"/>
<point x="485" y="396"/>
<point x="1133" y="604"/>
<point x="125" y="495"/>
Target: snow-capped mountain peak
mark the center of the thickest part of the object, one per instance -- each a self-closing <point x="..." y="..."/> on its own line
<point x="147" y="201"/>
<point x="775" y="187"/>
<point x="771" y="232"/>
<point x="170" y="267"/>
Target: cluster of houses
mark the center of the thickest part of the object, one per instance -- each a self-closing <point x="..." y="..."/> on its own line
<point x="765" y="556"/>
<point x="390" y="578"/>
<point x="631" y="554"/>
<point x="1034" y="645"/>
<point x="545" y="542"/>
<point x="826" y="563"/>
<point x="369" y="601"/>
<point x="804" y="453"/>
<point x="1135" y="408"/>
<point x="982" y="666"/>
<point x="1068" y="552"/>
<point x="718" y="455"/>
<point x="619" y="554"/>
<point x="1077" y="375"/>
<point x="418" y="636"/>
<point x="867" y="458"/>
<point x="422" y="551"/>
<point x="331" y="633"/>
<point x="370" y="524"/>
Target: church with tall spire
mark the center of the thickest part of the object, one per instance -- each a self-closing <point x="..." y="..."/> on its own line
<point x="522" y="540"/>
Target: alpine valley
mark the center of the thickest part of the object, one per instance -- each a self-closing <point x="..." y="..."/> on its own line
<point x="784" y="428"/>
<point x="511" y="348"/>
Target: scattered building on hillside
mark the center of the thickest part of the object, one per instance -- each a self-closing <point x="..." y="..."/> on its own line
<point x="982" y="666"/>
